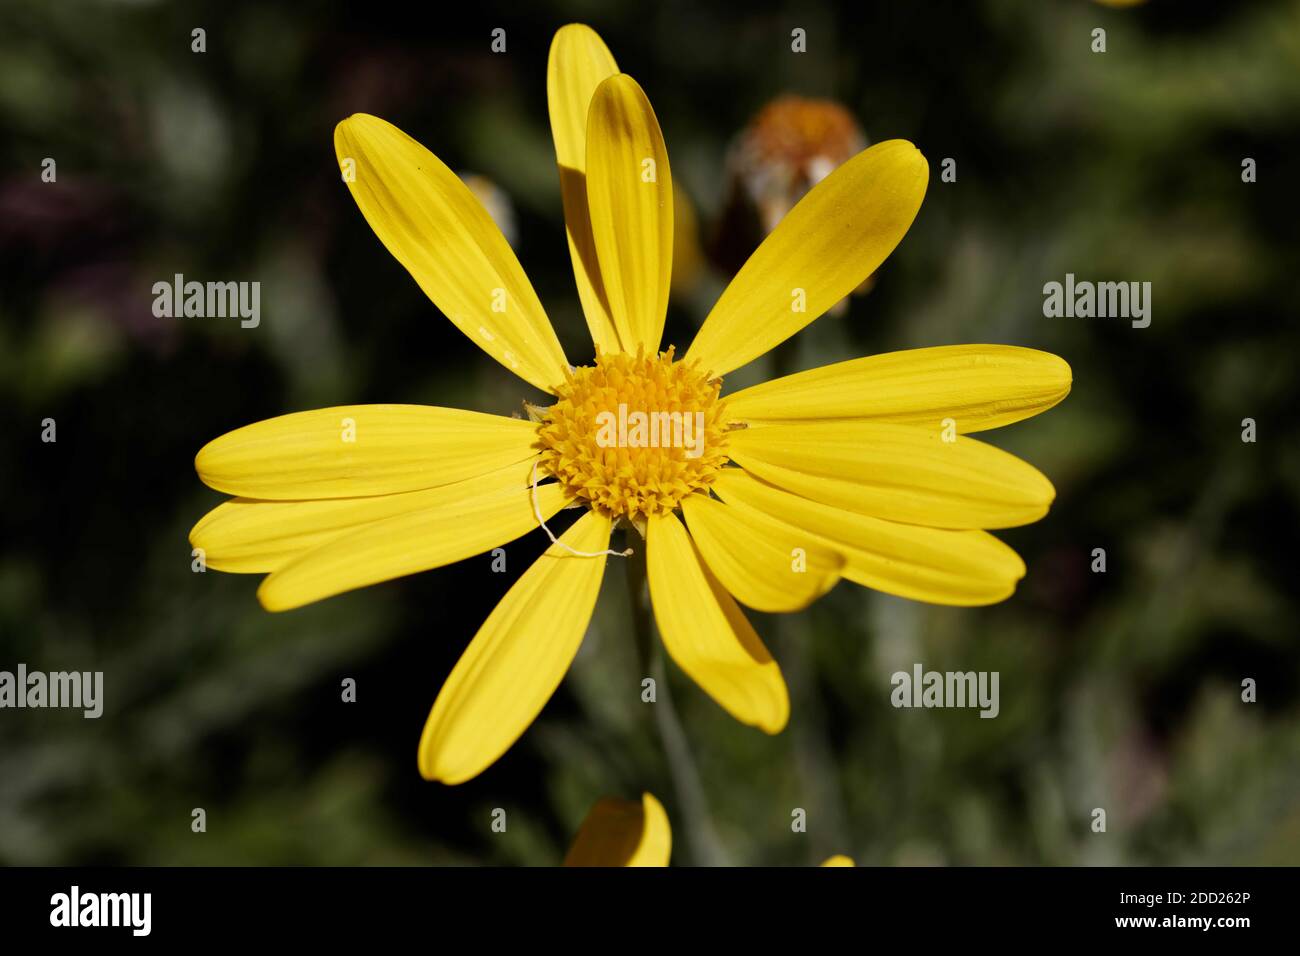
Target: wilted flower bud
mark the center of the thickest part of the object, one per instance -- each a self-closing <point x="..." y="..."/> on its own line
<point x="790" y="146"/>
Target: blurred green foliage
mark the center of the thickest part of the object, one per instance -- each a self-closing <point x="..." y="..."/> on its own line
<point x="1119" y="690"/>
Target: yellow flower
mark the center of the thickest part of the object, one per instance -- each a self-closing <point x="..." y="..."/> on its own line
<point x="860" y="470"/>
<point x="623" y="833"/>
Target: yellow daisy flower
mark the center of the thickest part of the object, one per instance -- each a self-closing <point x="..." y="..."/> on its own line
<point x="845" y="471"/>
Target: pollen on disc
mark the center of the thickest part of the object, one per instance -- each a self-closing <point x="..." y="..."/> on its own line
<point x="632" y="435"/>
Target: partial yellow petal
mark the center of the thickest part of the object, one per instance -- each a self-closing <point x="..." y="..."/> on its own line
<point x="835" y="237"/>
<point x="707" y="634"/>
<point x="442" y="533"/>
<point x="517" y="659"/>
<point x="763" y="563"/>
<point x="899" y="472"/>
<point x="434" y="226"/>
<point x="255" y="536"/>
<point x="578" y="62"/>
<point x="838" y="860"/>
<point x="355" y="450"/>
<point x="964" y="568"/>
<point x="977" y="386"/>
<point x="630" y="196"/>
<point x="623" y="833"/>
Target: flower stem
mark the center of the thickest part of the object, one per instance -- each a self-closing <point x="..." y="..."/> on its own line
<point x="687" y="787"/>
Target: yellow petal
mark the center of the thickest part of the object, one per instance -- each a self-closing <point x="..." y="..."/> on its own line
<point x="434" y="226"/>
<point x="517" y="659"/>
<point x="977" y="386"/>
<point x="964" y="568"/>
<point x="707" y="634"/>
<point x="623" y="833"/>
<point x="835" y="237"/>
<point x="764" y="564"/>
<point x="355" y="450"/>
<point x="448" y="531"/>
<point x="254" y="536"/>
<point x="578" y="62"/>
<point x="838" y="860"/>
<point x="630" y="196"/>
<point x="899" y="472"/>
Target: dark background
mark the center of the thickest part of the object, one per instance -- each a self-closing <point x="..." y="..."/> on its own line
<point x="1118" y="690"/>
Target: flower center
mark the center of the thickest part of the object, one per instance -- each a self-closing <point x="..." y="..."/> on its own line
<point x="634" y="435"/>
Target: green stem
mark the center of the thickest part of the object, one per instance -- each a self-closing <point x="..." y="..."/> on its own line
<point x="639" y="602"/>
<point x="688" y="789"/>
